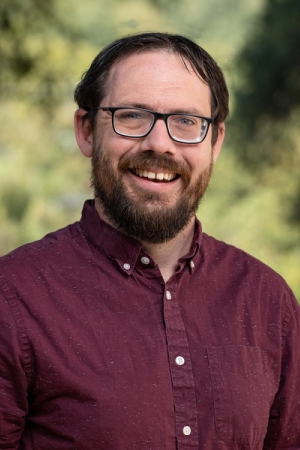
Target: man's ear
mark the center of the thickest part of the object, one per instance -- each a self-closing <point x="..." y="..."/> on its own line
<point x="218" y="144"/>
<point x="83" y="133"/>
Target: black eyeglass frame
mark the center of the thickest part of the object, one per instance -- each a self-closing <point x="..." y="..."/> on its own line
<point x="156" y="115"/>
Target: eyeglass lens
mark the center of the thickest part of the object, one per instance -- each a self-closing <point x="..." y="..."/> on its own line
<point x="137" y="123"/>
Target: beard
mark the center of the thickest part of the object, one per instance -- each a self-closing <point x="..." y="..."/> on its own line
<point x="146" y="215"/>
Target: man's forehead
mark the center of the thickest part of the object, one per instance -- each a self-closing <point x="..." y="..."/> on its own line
<point x="162" y="65"/>
<point x="126" y="61"/>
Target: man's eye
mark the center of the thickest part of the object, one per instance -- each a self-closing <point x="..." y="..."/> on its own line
<point x="128" y="115"/>
<point x="186" y="121"/>
<point x="131" y="115"/>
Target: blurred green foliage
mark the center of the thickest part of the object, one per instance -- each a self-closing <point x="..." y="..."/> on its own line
<point x="270" y="68"/>
<point x="46" y="46"/>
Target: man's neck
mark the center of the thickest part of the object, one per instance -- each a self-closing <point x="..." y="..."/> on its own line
<point x="165" y="255"/>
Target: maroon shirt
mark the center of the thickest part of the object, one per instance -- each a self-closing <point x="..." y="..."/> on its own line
<point x="98" y="352"/>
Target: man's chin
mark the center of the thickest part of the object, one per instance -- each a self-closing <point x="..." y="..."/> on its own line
<point x="154" y="205"/>
<point x="146" y="197"/>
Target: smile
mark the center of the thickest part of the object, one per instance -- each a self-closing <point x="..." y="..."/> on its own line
<point x="160" y="176"/>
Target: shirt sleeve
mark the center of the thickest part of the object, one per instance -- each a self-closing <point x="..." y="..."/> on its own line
<point x="284" y="423"/>
<point x="13" y="380"/>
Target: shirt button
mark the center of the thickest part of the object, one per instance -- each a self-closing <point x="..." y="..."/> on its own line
<point x="192" y="264"/>
<point x="187" y="431"/>
<point x="145" y="260"/>
<point x="179" y="360"/>
<point x="126" y="266"/>
<point x="168" y="295"/>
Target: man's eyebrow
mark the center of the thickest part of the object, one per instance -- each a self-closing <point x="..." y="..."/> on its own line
<point x="170" y="111"/>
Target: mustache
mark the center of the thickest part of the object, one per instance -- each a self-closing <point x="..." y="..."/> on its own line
<point x="149" y="160"/>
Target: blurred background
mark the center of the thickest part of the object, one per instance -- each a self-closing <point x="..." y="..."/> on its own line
<point x="45" y="46"/>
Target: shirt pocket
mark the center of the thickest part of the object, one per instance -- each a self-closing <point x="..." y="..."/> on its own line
<point x="241" y="393"/>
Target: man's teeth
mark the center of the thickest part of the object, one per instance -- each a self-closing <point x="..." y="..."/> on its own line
<point x="152" y="176"/>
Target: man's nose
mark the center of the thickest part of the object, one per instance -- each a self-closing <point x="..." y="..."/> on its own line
<point x="158" y="139"/>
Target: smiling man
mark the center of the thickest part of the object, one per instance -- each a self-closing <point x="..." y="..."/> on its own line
<point x="149" y="171"/>
<point x="132" y="329"/>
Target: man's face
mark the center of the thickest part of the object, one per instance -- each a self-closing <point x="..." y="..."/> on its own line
<point x="152" y="210"/>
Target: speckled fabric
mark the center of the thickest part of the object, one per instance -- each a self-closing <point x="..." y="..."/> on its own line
<point x="98" y="352"/>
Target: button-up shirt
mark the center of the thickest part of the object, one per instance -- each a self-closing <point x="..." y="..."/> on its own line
<point x="98" y="352"/>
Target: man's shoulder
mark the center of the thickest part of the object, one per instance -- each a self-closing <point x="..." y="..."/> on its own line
<point x="51" y="247"/>
<point x="236" y="272"/>
<point x="235" y="262"/>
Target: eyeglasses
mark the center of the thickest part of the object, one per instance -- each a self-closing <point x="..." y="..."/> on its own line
<point x="138" y="122"/>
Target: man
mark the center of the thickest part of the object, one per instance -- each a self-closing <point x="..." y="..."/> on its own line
<point x="132" y="329"/>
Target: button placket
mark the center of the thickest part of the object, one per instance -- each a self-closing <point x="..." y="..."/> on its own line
<point x="181" y="374"/>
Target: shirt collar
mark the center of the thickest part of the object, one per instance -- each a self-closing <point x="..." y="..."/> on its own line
<point x="124" y="249"/>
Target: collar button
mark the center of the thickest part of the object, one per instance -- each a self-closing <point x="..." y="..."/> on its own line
<point x="145" y="260"/>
